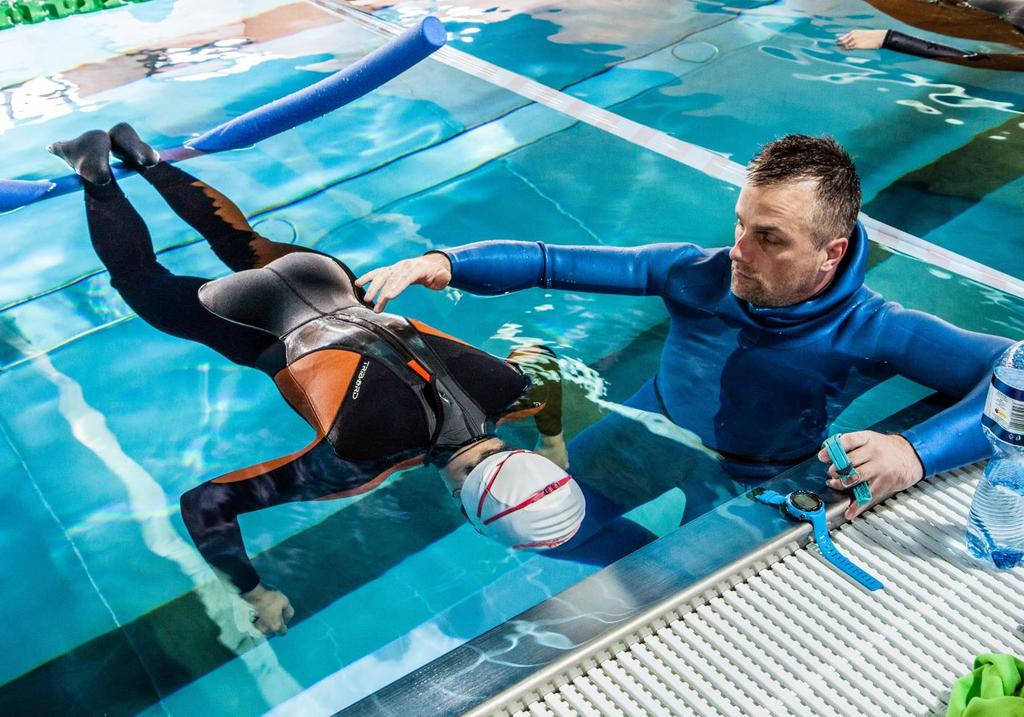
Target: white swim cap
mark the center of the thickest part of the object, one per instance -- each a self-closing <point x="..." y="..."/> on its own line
<point x="522" y="499"/>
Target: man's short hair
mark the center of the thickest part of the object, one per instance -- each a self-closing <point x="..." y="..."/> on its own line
<point x="797" y="157"/>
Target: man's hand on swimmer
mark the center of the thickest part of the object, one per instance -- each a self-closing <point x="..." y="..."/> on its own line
<point x="273" y="611"/>
<point x="862" y="39"/>
<point x="433" y="271"/>
<point x="887" y="463"/>
<point x="553" y="448"/>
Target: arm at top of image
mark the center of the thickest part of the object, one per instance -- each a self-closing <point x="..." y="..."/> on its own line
<point x="901" y="42"/>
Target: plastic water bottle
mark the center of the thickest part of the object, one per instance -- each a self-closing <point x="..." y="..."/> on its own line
<point x="995" y="527"/>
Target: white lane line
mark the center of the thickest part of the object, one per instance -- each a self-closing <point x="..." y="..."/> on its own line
<point x="692" y="155"/>
<point x="150" y="508"/>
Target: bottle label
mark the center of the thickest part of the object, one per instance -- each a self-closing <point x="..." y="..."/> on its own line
<point x="1004" y="412"/>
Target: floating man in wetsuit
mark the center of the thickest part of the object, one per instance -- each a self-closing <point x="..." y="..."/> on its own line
<point x="382" y="392"/>
<point x="768" y="342"/>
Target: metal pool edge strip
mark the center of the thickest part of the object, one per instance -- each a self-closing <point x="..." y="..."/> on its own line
<point x="522" y="654"/>
<point x="692" y="155"/>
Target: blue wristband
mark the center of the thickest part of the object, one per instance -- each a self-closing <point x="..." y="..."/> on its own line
<point x="845" y="470"/>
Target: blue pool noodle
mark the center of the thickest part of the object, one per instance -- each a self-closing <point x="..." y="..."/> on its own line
<point x="16" y="193"/>
<point x="344" y="86"/>
<point x="329" y="94"/>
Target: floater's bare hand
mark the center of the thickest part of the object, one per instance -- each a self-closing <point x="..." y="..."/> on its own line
<point x="433" y="271"/>
<point x="553" y="448"/>
<point x="862" y="39"/>
<point x="273" y="611"/>
<point x="887" y="463"/>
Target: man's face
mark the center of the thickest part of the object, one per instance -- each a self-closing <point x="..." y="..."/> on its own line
<point x="774" y="258"/>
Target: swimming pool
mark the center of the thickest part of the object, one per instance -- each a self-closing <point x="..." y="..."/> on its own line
<point x="110" y="421"/>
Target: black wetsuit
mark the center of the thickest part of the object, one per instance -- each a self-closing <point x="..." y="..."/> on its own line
<point x="369" y="421"/>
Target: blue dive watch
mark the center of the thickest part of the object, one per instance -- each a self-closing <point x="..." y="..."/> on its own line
<point x="805" y="505"/>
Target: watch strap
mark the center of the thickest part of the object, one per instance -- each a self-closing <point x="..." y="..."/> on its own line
<point x="837" y="454"/>
<point x="840" y="561"/>
<point x="767" y="496"/>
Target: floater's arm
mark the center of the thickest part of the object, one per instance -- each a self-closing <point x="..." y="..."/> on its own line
<point x="496" y="267"/>
<point x="281" y="115"/>
<point x="948" y="359"/>
<point x="210" y="510"/>
<point x="910" y="45"/>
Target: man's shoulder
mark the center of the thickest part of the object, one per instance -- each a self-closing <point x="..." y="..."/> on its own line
<point x="695" y="266"/>
<point x="866" y="309"/>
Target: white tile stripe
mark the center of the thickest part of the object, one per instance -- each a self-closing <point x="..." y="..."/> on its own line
<point x="703" y="160"/>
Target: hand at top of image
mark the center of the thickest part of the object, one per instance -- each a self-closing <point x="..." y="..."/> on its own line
<point x="862" y="39"/>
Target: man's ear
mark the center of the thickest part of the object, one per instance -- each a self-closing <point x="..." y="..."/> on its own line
<point x="835" y="250"/>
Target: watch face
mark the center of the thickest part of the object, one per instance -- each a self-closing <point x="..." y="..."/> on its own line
<point x="805" y="500"/>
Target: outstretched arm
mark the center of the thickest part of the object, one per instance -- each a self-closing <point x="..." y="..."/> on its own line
<point x="210" y="512"/>
<point x="497" y="267"/>
<point x="901" y="42"/>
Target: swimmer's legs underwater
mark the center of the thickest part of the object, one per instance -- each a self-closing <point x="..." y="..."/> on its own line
<point x="170" y="303"/>
<point x="122" y="241"/>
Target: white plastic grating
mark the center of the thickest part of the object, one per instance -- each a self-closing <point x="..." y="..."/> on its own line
<point x="793" y="637"/>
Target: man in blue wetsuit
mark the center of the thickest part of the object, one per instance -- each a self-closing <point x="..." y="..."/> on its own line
<point x="769" y="340"/>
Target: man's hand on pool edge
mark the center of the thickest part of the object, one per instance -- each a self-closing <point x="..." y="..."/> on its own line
<point x="887" y="463"/>
<point x="433" y="270"/>
<point x="273" y="610"/>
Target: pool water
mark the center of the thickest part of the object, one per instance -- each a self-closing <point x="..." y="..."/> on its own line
<point x="107" y="421"/>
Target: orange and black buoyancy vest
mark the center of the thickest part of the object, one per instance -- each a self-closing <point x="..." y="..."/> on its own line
<point x="309" y="302"/>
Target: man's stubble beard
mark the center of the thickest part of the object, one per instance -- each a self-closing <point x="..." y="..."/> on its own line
<point x="759" y="295"/>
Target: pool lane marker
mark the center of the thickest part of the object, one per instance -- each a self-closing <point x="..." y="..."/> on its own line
<point x="150" y="508"/>
<point x="692" y="155"/>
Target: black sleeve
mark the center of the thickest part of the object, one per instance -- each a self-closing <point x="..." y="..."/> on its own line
<point x="210" y="511"/>
<point x="910" y="45"/>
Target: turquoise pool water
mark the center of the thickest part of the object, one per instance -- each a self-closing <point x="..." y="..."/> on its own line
<point x="107" y="421"/>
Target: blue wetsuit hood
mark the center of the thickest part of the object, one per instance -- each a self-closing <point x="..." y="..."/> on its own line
<point x="806" y="316"/>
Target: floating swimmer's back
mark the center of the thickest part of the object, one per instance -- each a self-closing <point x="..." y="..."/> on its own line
<point x="283" y="295"/>
<point x="310" y="302"/>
